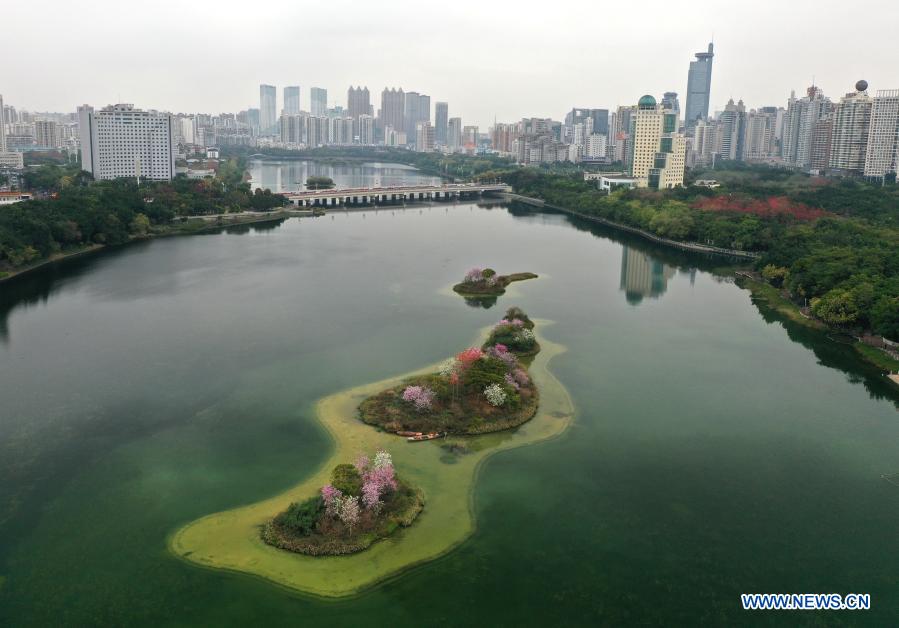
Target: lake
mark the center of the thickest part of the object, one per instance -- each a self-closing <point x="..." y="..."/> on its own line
<point x="715" y="450"/>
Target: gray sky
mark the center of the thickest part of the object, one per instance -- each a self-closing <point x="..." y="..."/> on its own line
<point x="500" y="58"/>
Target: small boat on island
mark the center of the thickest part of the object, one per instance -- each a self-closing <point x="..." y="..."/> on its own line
<point x="428" y="436"/>
<point x="405" y="433"/>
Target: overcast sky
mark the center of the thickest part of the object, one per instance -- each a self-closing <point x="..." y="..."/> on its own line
<point x="486" y="58"/>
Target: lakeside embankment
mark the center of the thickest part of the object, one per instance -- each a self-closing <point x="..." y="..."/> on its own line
<point x="194" y="224"/>
<point x="782" y="306"/>
<point x="687" y="246"/>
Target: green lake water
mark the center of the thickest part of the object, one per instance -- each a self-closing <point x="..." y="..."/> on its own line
<point x="715" y="450"/>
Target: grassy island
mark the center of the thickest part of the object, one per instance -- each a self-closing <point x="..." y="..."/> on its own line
<point x="364" y="502"/>
<point x="484" y="282"/>
<point x="480" y="390"/>
<point x="230" y="540"/>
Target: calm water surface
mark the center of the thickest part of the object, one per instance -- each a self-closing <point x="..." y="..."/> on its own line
<point x="715" y="450"/>
<point x="291" y="175"/>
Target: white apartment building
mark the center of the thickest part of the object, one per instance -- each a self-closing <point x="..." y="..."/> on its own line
<point x="883" y="134"/>
<point x="597" y="146"/>
<point x="121" y="141"/>
<point x="851" y="122"/>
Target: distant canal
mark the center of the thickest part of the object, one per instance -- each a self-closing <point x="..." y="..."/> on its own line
<point x="715" y="450"/>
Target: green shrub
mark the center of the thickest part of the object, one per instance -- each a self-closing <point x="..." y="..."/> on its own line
<point x="346" y="479"/>
<point x="302" y="517"/>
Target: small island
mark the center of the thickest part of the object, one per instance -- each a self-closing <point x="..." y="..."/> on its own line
<point x="482" y="389"/>
<point x="484" y="282"/>
<point x="363" y="503"/>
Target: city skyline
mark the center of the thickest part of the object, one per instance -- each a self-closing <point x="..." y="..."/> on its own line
<point x="521" y="82"/>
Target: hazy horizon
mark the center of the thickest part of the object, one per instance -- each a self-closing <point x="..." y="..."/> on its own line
<point x="488" y="62"/>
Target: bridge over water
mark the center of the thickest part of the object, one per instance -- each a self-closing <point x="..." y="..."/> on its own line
<point x="393" y="194"/>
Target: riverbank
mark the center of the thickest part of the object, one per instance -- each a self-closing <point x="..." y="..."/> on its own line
<point x="230" y="540"/>
<point x="773" y="300"/>
<point x="686" y="246"/>
<point x="193" y="225"/>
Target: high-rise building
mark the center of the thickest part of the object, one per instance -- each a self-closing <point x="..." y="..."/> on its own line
<point x="424" y="137"/>
<point x="731" y="131"/>
<point x="883" y="136"/>
<point x="393" y="109"/>
<point x="470" y="139"/>
<point x="699" y="87"/>
<point x="657" y="158"/>
<point x="341" y="131"/>
<point x="596" y="146"/>
<point x="801" y="117"/>
<point x="704" y="143"/>
<point x="417" y="109"/>
<point x="851" y="122"/>
<point x="670" y="101"/>
<point x="318" y="99"/>
<point x="366" y="130"/>
<point x="358" y="102"/>
<point x="598" y="117"/>
<point x="441" y="113"/>
<point x="121" y="141"/>
<point x="2" y="126"/>
<point x="822" y="135"/>
<point x="45" y="135"/>
<point x="454" y="134"/>
<point x="292" y="99"/>
<point x="621" y="133"/>
<point x="268" y="108"/>
<point x="503" y="136"/>
<point x="760" y="142"/>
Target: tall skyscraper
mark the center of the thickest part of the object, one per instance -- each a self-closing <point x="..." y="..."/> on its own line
<point x="318" y="98"/>
<point x="657" y="158"/>
<point x="599" y="117"/>
<point x="883" y="136"/>
<point x="801" y="117"/>
<point x="454" y="134"/>
<point x="366" y="130"/>
<point x="358" y="102"/>
<point x="268" y="108"/>
<point x="292" y="100"/>
<point x="760" y="136"/>
<point x="2" y="127"/>
<point x="417" y="109"/>
<point x="699" y="87"/>
<point x="731" y="131"/>
<point x="851" y="122"/>
<point x="393" y="109"/>
<point x="441" y="113"/>
<point x="121" y="141"/>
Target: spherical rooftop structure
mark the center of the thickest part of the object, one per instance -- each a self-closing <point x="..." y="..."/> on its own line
<point x="646" y="102"/>
<point x="861" y="86"/>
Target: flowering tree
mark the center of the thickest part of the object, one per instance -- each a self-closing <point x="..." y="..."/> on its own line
<point x="378" y="478"/>
<point x="521" y="377"/>
<point x="361" y="463"/>
<point x="495" y="395"/>
<point x="332" y="498"/>
<point x="510" y="381"/>
<point x="349" y="512"/>
<point x="474" y="275"/>
<point x="501" y="352"/>
<point x="469" y="356"/>
<point x="382" y="459"/>
<point x="421" y="397"/>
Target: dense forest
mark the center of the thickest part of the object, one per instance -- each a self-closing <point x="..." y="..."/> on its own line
<point x="78" y="211"/>
<point x="834" y="243"/>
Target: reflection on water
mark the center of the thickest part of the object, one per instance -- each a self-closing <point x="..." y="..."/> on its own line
<point x="291" y="175"/>
<point x="643" y="276"/>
